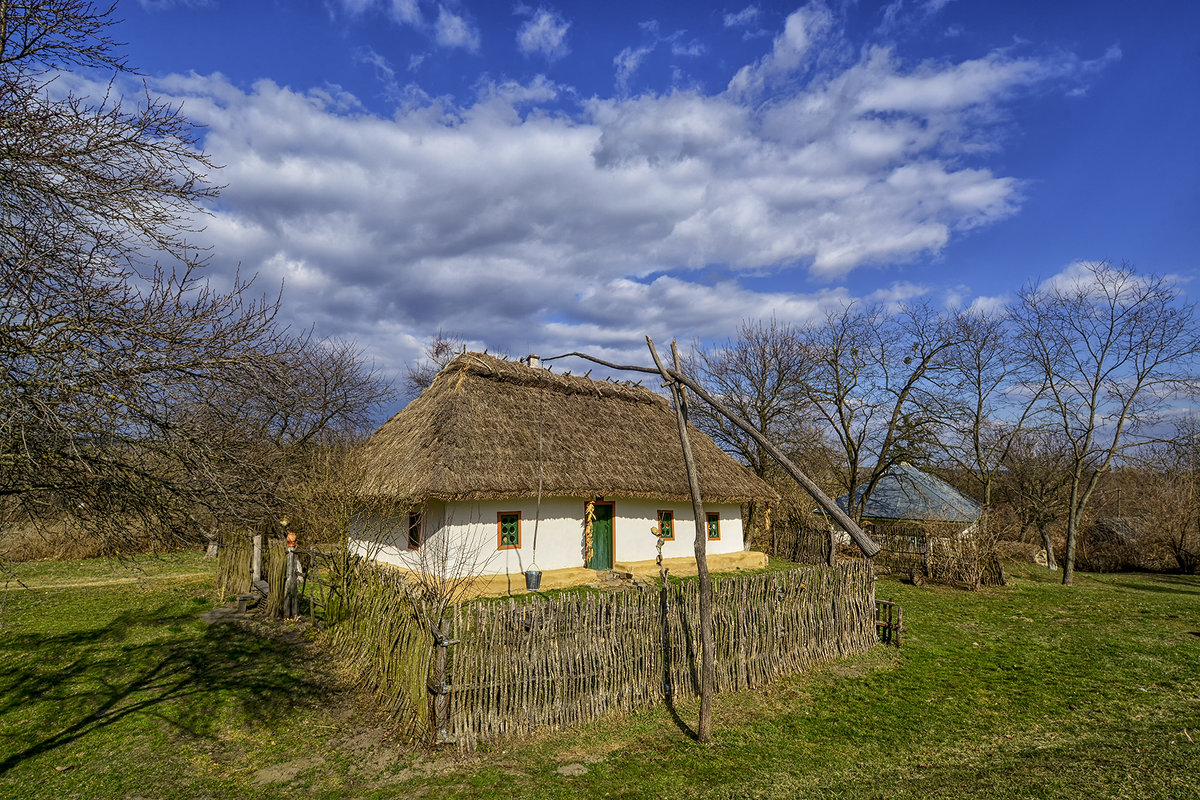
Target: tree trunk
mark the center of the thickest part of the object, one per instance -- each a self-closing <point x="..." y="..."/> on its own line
<point x="1069" y="557"/>
<point x="754" y="519"/>
<point x="1048" y="546"/>
<point x="440" y="718"/>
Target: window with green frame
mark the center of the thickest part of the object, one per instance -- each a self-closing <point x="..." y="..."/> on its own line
<point x="666" y="524"/>
<point x="714" y="525"/>
<point x="508" y="530"/>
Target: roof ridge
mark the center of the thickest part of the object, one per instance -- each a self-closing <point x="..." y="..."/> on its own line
<point x="492" y="367"/>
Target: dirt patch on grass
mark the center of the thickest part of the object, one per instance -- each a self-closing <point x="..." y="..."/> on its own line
<point x="572" y="769"/>
<point x="286" y="772"/>
<point x="58" y="583"/>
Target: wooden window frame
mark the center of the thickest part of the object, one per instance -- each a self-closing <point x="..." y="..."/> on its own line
<point x="671" y="514"/>
<point x="709" y="518"/>
<point x="500" y="545"/>
<point x="415" y="520"/>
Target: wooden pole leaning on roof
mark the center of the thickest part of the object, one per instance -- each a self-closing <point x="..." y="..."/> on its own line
<point x="708" y="669"/>
<point x="865" y="543"/>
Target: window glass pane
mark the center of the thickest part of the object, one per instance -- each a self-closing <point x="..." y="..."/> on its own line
<point x="714" y="526"/>
<point x="510" y="530"/>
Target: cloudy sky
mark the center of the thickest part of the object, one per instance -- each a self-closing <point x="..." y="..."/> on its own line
<point x="551" y="177"/>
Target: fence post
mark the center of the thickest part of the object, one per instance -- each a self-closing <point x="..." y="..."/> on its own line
<point x="665" y="610"/>
<point x="291" y="603"/>
<point x="256" y="559"/>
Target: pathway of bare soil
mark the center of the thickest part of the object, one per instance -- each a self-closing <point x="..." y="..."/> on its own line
<point x="57" y="583"/>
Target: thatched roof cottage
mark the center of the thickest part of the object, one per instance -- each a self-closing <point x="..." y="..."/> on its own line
<point x="461" y="466"/>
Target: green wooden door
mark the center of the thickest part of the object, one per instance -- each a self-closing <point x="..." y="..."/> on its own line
<point x="602" y="537"/>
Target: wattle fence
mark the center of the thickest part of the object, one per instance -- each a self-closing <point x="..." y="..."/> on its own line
<point x="520" y="665"/>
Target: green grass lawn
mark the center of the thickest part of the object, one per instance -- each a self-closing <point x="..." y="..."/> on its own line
<point x="116" y="688"/>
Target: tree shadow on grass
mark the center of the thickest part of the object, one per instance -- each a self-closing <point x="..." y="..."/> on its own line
<point x="93" y="680"/>
<point x="665" y="604"/>
<point x="1166" y="584"/>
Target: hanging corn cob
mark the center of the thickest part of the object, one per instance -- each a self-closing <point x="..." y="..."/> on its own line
<point x="589" y="516"/>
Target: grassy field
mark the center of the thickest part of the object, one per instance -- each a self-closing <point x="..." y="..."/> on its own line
<point x="113" y="686"/>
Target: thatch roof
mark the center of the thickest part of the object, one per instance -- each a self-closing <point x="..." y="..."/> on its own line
<point x="473" y="435"/>
<point x="905" y="492"/>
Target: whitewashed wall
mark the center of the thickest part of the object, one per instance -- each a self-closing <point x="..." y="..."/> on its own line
<point x="461" y="538"/>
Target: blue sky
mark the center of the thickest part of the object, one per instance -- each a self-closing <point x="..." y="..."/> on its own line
<point x="552" y="177"/>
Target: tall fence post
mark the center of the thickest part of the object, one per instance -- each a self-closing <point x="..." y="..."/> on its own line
<point x="256" y="559"/>
<point x="291" y="598"/>
<point x="664" y="611"/>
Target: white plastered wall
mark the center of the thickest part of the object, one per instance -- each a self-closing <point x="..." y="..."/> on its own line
<point x="462" y="538"/>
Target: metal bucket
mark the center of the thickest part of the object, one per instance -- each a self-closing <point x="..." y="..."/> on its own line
<point x="533" y="579"/>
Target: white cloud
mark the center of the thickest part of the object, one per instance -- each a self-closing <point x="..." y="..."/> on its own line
<point x="407" y="12"/>
<point x="895" y="16"/>
<point x="357" y="7"/>
<point x="802" y="28"/>
<point x="692" y="48"/>
<point x="629" y="60"/>
<point x="897" y="294"/>
<point x="741" y="19"/>
<point x="453" y="30"/>
<point x="512" y="222"/>
<point x="891" y="14"/>
<point x="934" y="87"/>
<point x="985" y="304"/>
<point x="545" y="33"/>
<point x="934" y="6"/>
<point x="627" y="63"/>
<point x="445" y="27"/>
<point x="1075" y="277"/>
<point x="384" y="72"/>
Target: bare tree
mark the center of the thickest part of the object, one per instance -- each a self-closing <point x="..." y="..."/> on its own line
<point x="988" y="405"/>
<point x="1112" y="347"/>
<point x="134" y="396"/>
<point x="1168" y="495"/>
<point x="439" y="351"/>
<point x="761" y="375"/>
<point x="873" y="383"/>
<point x="1034" y="477"/>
